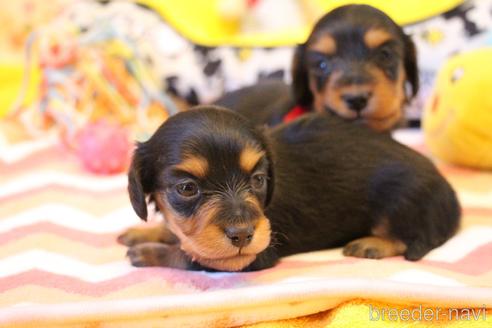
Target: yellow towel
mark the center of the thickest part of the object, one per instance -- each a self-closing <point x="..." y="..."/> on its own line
<point x="357" y="313"/>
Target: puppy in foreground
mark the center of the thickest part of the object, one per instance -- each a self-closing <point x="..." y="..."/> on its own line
<point x="237" y="199"/>
<point x="357" y="63"/>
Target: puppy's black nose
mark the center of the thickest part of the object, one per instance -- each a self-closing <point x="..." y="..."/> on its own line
<point x="356" y="102"/>
<point x="240" y="237"/>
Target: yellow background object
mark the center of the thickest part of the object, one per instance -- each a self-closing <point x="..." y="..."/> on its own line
<point x="11" y="75"/>
<point x="356" y="314"/>
<point x="200" y="22"/>
<point x="457" y="120"/>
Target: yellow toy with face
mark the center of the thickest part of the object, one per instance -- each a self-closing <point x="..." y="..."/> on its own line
<point x="457" y="120"/>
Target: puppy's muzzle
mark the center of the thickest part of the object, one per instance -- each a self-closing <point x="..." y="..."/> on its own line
<point x="239" y="217"/>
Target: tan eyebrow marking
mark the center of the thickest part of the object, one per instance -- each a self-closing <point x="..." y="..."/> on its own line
<point x="376" y="37"/>
<point x="249" y="157"/>
<point x="194" y="165"/>
<point x="325" y="44"/>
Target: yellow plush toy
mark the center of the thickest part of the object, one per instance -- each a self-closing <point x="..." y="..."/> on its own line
<point x="203" y="21"/>
<point x="457" y="120"/>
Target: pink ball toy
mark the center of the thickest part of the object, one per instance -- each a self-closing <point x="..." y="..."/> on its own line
<point x="104" y="147"/>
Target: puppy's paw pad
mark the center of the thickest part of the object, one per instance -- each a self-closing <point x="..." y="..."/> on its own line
<point x="138" y="256"/>
<point x="144" y="255"/>
<point x="350" y="249"/>
<point x="374" y="248"/>
<point x="372" y="253"/>
<point x="360" y="248"/>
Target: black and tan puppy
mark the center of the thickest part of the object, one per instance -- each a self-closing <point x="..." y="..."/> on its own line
<point x="234" y="198"/>
<point x="356" y="63"/>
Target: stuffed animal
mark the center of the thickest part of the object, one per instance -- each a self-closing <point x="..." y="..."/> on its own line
<point x="457" y="120"/>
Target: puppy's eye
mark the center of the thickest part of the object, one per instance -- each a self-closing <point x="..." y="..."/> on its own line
<point x="385" y="54"/>
<point x="318" y="63"/>
<point x="187" y="189"/>
<point x="258" y="181"/>
<point x="321" y="67"/>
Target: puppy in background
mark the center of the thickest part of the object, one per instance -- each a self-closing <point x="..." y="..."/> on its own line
<point x="357" y="63"/>
<point x="235" y="198"/>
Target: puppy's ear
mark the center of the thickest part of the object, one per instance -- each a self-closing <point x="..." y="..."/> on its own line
<point x="411" y="66"/>
<point x="263" y="135"/>
<point x="136" y="180"/>
<point x="300" y="77"/>
<point x="271" y="181"/>
<point x="271" y="171"/>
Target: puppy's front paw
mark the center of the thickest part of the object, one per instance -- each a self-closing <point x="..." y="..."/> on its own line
<point x="139" y="235"/>
<point x="374" y="248"/>
<point x="157" y="254"/>
<point x="131" y="237"/>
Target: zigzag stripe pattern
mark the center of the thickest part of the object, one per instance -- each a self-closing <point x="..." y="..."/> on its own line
<point x="69" y="217"/>
<point x="10" y="154"/>
<point x="46" y="179"/>
<point x="58" y="228"/>
<point x="62" y="265"/>
<point x="462" y="244"/>
<point x="96" y="240"/>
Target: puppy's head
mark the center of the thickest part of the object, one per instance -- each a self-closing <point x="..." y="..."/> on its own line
<point x="357" y="63"/>
<point x="209" y="172"/>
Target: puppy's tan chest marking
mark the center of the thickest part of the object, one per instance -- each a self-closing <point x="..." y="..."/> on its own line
<point x="375" y="37"/>
<point x="249" y="157"/>
<point x="194" y="165"/>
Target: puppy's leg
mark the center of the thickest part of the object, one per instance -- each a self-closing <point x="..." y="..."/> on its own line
<point x="414" y="206"/>
<point x="381" y="244"/>
<point x="137" y="235"/>
<point x="158" y="254"/>
<point x="374" y="248"/>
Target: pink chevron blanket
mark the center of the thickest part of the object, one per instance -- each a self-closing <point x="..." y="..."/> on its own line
<point x="60" y="263"/>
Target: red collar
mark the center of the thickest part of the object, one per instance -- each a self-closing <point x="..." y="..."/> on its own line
<point x="294" y="113"/>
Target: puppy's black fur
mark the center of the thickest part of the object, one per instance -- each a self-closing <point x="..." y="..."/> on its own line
<point x="265" y="103"/>
<point x="324" y="183"/>
<point x="357" y="63"/>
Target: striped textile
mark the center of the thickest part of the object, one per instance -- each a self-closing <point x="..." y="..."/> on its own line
<point x="60" y="263"/>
